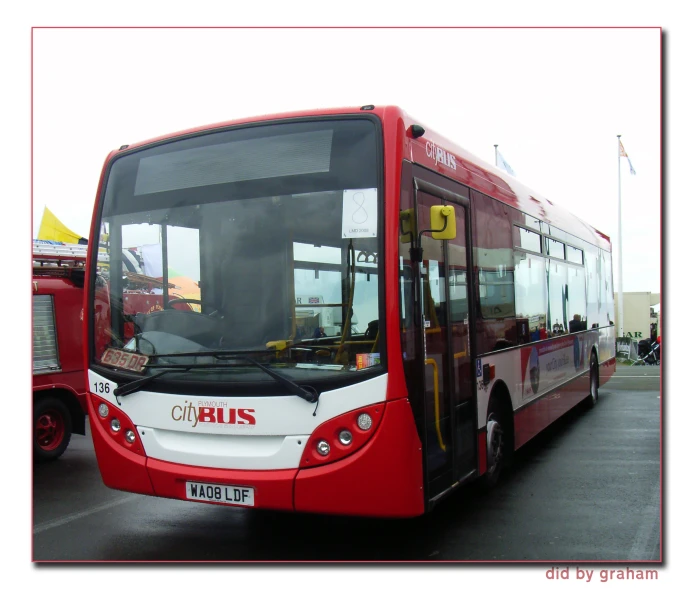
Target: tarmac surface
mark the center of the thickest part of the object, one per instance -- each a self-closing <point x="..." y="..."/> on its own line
<point x="585" y="490"/>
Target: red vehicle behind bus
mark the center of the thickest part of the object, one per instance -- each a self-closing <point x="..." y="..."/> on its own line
<point x="381" y="315"/>
<point x="60" y="396"/>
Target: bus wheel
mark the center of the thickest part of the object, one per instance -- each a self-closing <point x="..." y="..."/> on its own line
<point x="52" y="429"/>
<point x="496" y="444"/>
<point x="591" y="401"/>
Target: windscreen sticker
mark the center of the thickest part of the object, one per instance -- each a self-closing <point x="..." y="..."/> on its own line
<point x="360" y="213"/>
<point x="125" y="360"/>
<point x="367" y="360"/>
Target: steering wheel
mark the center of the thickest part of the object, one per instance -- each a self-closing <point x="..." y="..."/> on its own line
<point x="311" y="351"/>
<point x="169" y="304"/>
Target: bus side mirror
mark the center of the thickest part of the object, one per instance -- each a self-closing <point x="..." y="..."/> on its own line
<point x="443" y="224"/>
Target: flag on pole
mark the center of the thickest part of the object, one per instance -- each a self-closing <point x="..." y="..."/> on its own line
<point x="51" y="228"/>
<point x="625" y="155"/>
<point x="501" y="163"/>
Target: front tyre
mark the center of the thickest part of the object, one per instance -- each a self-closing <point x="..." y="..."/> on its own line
<point x="52" y="429"/>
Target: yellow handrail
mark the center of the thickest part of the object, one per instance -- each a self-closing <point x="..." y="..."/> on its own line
<point x="340" y="357"/>
<point x="375" y="343"/>
<point x="436" y="401"/>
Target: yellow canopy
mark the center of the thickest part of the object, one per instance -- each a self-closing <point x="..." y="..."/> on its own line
<point x="52" y="228"/>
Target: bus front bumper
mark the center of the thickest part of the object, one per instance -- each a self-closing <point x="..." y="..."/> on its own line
<point x="382" y="479"/>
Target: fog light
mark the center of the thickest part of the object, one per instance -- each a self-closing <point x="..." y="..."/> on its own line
<point x="103" y="410"/>
<point x="115" y="425"/>
<point x="323" y="448"/>
<point x="364" y="421"/>
<point x="345" y="437"/>
<point x="130" y="436"/>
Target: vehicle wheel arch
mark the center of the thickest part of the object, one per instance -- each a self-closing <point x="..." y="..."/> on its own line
<point x="500" y="395"/>
<point x="68" y="397"/>
<point x="595" y="352"/>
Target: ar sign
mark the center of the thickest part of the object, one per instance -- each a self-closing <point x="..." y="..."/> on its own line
<point x="478" y="368"/>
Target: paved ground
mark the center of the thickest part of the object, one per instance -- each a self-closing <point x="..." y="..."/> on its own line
<point x="587" y="489"/>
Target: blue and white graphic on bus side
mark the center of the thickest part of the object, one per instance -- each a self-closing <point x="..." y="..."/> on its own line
<point x="253" y="433"/>
<point x="532" y="371"/>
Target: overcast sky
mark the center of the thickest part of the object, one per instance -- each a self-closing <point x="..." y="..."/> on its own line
<point x="554" y="101"/>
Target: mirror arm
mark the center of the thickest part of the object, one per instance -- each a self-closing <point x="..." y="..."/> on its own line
<point x="416" y="253"/>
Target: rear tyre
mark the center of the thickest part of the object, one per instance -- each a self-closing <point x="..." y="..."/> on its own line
<point x="497" y="443"/>
<point x="591" y="401"/>
<point x="52" y="429"/>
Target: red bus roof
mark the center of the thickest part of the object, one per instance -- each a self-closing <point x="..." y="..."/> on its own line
<point x="467" y="169"/>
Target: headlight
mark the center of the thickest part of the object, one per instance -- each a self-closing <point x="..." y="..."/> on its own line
<point x="323" y="448"/>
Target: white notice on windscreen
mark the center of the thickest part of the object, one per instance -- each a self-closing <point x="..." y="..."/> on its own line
<point x="360" y="213"/>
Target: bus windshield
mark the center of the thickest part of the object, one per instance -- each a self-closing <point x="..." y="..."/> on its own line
<point x="264" y="239"/>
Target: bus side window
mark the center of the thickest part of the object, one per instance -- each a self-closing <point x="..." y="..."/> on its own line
<point x="496" y="293"/>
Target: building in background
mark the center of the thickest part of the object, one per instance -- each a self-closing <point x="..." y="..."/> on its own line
<point x="640" y="315"/>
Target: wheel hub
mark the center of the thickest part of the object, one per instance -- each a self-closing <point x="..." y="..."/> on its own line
<point x="494" y="444"/>
<point x="50" y="430"/>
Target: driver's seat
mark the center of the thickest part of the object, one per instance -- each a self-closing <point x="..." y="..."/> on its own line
<point x="371" y="331"/>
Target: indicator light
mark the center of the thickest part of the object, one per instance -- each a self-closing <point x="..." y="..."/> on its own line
<point x="103" y="410"/>
<point x="130" y="436"/>
<point x="364" y="421"/>
<point x="345" y="437"/>
<point x="417" y="131"/>
<point x="115" y="425"/>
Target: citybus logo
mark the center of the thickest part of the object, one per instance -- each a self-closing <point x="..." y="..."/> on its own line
<point x="440" y="155"/>
<point x="216" y="412"/>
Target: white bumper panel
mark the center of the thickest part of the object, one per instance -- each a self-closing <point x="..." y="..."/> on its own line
<point x="253" y="433"/>
<point x="223" y="451"/>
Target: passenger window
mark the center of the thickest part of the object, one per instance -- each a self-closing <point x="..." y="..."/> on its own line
<point x="496" y="293"/>
<point x="529" y="240"/>
<point x="577" y="302"/>
<point x="574" y="255"/>
<point x="555" y="249"/>
<point x="530" y="293"/>
<point x="558" y="298"/>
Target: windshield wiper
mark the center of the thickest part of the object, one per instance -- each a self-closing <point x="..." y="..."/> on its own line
<point x="136" y="385"/>
<point x="132" y="387"/>
<point x="305" y="392"/>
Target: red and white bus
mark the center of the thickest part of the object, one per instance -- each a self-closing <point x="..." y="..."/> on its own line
<point x="381" y="316"/>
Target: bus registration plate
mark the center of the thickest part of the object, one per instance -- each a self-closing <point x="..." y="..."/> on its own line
<point x="220" y="493"/>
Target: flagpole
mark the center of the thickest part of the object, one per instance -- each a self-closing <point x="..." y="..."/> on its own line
<point x="620" y="247"/>
<point x="495" y="146"/>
